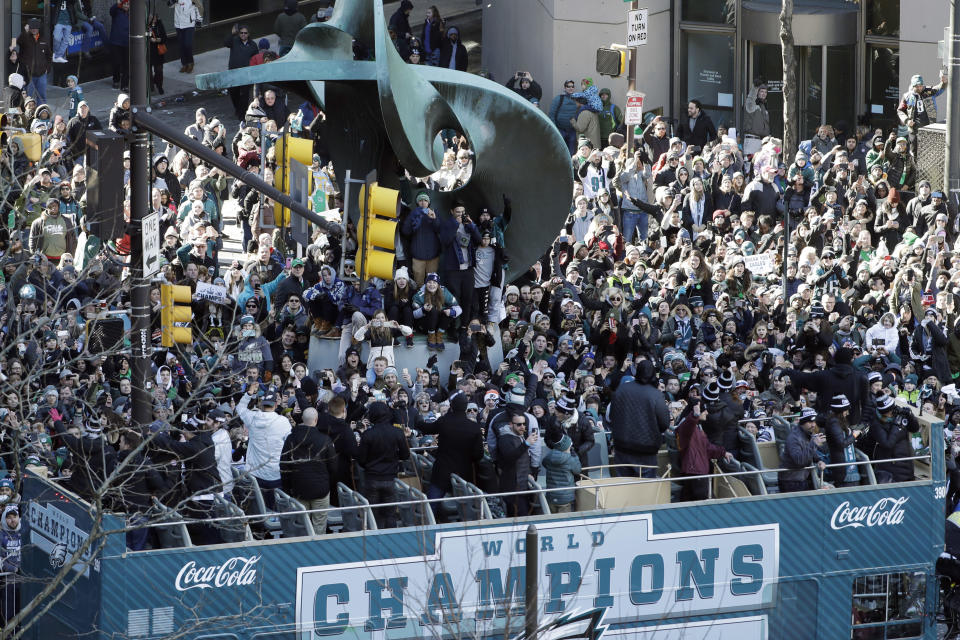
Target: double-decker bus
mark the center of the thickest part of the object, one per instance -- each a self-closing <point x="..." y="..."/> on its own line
<point x="855" y="562"/>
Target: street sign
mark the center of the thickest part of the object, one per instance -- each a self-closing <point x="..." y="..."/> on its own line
<point x="151" y="244"/>
<point x="637" y="28"/>
<point x="633" y="114"/>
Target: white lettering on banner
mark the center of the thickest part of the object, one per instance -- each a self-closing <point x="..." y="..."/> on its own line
<point x="235" y="572"/>
<point x="211" y="292"/>
<point x="883" y="512"/>
<point x="57" y="534"/>
<point x="620" y="564"/>
<point x="759" y="264"/>
<point x="637" y="28"/>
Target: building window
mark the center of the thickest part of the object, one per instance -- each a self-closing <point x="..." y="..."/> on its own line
<point x="841" y="78"/>
<point x="883" y="18"/>
<point x="888" y="605"/>
<point x="710" y="74"/>
<point x="883" y="85"/>
<point x="716" y="11"/>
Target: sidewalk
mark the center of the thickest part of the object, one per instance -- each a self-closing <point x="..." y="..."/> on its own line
<point x="102" y="96"/>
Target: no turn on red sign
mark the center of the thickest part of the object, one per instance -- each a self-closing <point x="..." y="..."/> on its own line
<point x="637" y="28"/>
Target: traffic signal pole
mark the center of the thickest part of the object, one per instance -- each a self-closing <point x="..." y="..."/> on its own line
<point x="140" y="341"/>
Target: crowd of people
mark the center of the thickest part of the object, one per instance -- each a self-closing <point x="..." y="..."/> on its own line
<point x="692" y="292"/>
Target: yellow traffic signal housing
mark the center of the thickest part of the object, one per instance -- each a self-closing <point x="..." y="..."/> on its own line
<point x="289" y="148"/>
<point x="376" y="231"/>
<point x="172" y="314"/>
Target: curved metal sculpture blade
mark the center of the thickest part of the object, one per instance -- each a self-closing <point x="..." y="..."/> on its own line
<point x="385" y="114"/>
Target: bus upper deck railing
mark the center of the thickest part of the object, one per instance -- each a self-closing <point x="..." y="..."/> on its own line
<point x="616" y="482"/>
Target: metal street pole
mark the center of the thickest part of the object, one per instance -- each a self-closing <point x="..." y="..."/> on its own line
<point x="139" y="206"/>
<point x="952" y="160"/>
<point x="632" y="84"/>
<point x="532" y="573"/>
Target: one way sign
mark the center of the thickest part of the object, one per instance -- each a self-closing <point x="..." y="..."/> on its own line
<point x="637" y="28"/>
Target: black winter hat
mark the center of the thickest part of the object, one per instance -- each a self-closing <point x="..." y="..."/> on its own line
<point x="379" y="413"/>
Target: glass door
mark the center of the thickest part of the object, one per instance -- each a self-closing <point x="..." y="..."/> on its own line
<point x="766" y="65"/>
<point x="810" y="90"/>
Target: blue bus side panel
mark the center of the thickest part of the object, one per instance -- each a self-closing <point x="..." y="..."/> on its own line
<point x="56" y="526"/>
<point x="746" y="564"/>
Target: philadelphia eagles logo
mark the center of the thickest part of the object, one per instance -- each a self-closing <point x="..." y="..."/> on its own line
<point x="573" y="626"/>
<point x="58" y="555"/>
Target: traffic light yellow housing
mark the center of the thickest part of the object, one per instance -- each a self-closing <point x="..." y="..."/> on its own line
<point x="290" y="148"/>
<point x="175" y="309"/>
<point x="376" y="231"/>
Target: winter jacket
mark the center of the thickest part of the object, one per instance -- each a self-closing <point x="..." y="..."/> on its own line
<point x="119" y="27"/>
<point x="94" y="460"/>
<point x="288" y="24"/>
<point x="382" y="447"/>
<point x="901" y="168"/>
<point x="839" y="439"/>
<point x="703" y="131"/>
<point x="893" y="441"/>
<point x="756" y="118"/>
<point x="449" y="302"/>
<point x="840" y="378"/>
<point x="721" y="426"/>
<point x="890" y="337"/>
<point x="200" y="475"/>
<point x="267" y="431"/>
<point x="799" y="452"/>
<point x="562" y="109"/>
<point x="424" y="235"/>
<point x="307" y="463"/>
<point x="36" y="54"/>
<point x="512" y="460"/>
<point x="696" y="450"/>
<point x="561" y="468"/>
<point x="638" y="417"/>
<point x="345" y="448"/>
<point x="935" y="354"/>
<point x="580" y="430"/>
<point x="338" y="291"/>
<point x="461" y="60"/>
<point x="185" y="14"/>
<point x="240" y="51"/>
<point x="453" y="253"/>
<point x="459" y="448"/>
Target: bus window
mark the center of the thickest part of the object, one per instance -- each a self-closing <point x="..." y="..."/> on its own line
<point x="888" y="605"/>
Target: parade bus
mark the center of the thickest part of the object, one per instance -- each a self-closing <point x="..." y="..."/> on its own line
<point x="856" y="562"/>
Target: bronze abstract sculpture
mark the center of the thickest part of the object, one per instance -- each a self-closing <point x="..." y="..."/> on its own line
<point x="386" y="115"/>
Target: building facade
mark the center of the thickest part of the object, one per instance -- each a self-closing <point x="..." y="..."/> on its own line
<point x="855" y="57"/>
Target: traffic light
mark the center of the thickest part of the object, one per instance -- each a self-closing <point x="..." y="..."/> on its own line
<point x="612" y="62"/>
<point x="290" y="148"/>
<point x="172" y="314"/>
<point x="376" y="230"/>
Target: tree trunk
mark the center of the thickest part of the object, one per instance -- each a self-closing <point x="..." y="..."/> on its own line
<point x="789" y="79"/>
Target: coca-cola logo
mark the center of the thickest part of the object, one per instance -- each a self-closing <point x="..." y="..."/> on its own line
<point x="883" y="512"/>
<point x="235" y="572"/>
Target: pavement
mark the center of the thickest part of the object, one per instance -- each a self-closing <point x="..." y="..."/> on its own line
<point x="180" y="90"/>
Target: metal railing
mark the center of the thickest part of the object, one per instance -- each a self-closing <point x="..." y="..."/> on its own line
<point x="509" y="494"/>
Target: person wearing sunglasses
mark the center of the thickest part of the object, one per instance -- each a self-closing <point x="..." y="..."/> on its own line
<point x="242" y="48"/>
<point x="562" y="109"/>
<point x="514" y="462"/>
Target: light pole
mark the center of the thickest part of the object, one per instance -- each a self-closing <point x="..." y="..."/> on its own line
<point x="140" y="341"/>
